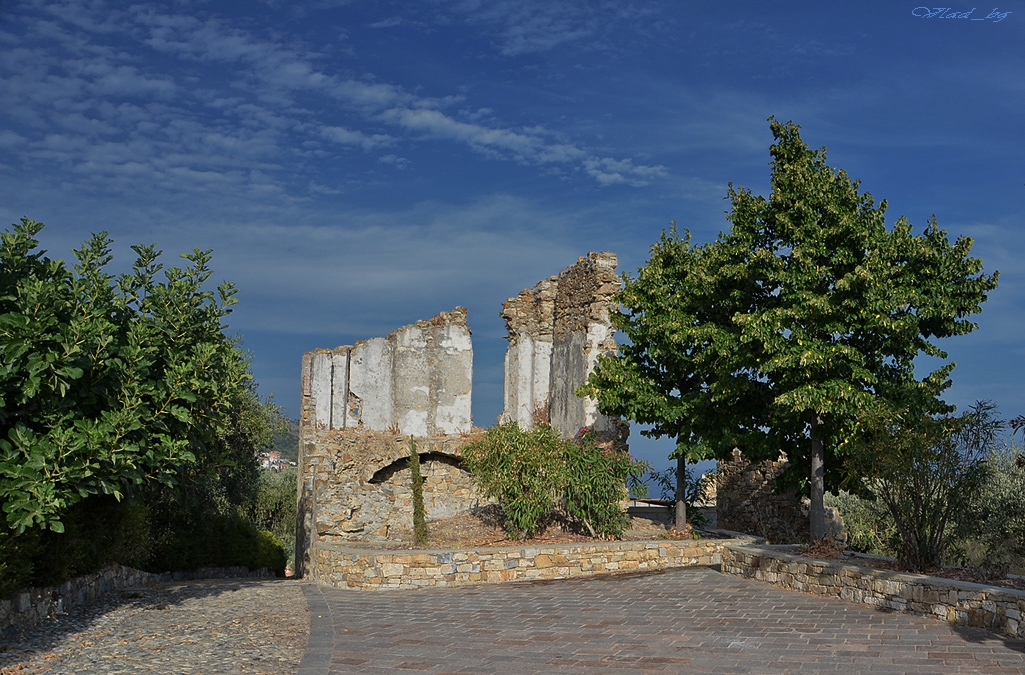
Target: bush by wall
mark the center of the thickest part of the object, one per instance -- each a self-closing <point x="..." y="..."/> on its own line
<point x="536" y="474"/>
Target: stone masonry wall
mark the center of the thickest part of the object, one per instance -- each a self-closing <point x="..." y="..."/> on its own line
<point x="960" y="603"/>
<point x="355" y="485"/>
<point x="361" y="405"/>
<point x="745" y="502"/>
<point x="557" y="330"/>
<point x="416" y="381"/>
<point x="31" y="606"/>
<point x="530" y="322"/>
<point x="346" y="566"/>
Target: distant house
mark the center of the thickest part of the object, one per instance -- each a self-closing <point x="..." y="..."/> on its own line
<point x="272" y="460"/>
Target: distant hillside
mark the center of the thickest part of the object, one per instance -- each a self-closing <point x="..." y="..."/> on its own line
<point x="286" y="441"/>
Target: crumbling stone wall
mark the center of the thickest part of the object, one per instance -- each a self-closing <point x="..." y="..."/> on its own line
<point x="359" y="485"/>
<point x="361" y="404"/>
<point x="557" y="330"/>
<point x="745" y="503"/>
<point x="530" y="322"/>
<point x="416" y="381"/>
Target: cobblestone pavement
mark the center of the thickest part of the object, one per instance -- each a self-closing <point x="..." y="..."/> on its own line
<point x="214" y="627"/>
<point x="685" y="621"/>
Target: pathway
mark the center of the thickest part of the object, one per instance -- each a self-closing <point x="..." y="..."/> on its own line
<point x="684" y="621"/>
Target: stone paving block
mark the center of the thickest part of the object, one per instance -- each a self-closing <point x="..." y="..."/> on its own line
<point x="693" y="621"/>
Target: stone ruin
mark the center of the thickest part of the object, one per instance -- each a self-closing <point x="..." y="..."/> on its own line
<point x="747" y="502"/>
<point x="362" y="406"/>
<point x="557" y="330"/>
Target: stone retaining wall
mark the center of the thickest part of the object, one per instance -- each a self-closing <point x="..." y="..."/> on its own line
<point x="349" y="567"/>
<point x="31" y="606"/>
<point x="960" y="603"/>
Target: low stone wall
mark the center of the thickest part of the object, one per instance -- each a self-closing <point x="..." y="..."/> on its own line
<point x="374" y="569"/>
<point x="31" y="606"/>
<point x="960" y="603"/>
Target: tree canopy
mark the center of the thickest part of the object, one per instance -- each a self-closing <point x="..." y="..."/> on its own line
<point x="107" y="384"/>
<point x="782" y="332"/>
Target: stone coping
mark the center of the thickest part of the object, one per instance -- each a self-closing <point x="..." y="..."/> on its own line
<point x="347" y="566"/>
<point x="960" y="603"/>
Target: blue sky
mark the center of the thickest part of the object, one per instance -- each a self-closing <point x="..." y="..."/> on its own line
<point x="356" y="166"/>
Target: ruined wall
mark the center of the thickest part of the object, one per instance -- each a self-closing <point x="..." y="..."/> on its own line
<point x="745" y="503"/>
<point x="360" y="485"/>
<point x="556" y="332"/>
<point x="360" y="406"/>
<point x="530" y="322"/>
<point x="416" y="381"/>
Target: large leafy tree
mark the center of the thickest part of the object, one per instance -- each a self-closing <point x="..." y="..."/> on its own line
<point x="678" y="324"/>
<point x="779" y="335"/>
<point x="107" y="384"/>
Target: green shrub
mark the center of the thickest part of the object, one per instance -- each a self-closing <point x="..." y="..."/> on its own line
<point x="868" y="524"/>
<point x="99" y="531"/>
<point x="533" y="473"/>
<point x="109" y="384"/>
<point x="17" y="553"/>
<point x="522" y="470"/>
<point x="999" y="544"/>
<point x="276" y="507"/>
<point x="270" y="553"/>
<point x="215" y="541"/>
<point x="929" y="472"/>
<point x="596" y="480"/>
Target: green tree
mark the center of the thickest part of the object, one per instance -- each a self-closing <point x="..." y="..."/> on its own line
<point x="676" y="320"/>
<point x="420" y="532"/>
<point x="930" y="473"/>
<point x="107" y="384"/>
<point x="782" y="332"/>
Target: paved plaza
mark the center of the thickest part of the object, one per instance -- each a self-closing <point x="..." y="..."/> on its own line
<point x="685" y="621"/>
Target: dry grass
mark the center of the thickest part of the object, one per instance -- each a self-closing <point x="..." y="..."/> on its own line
<point x="483" y="528"/>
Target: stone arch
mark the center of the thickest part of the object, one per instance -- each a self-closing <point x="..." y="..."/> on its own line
<point x="400" y="453"/>
<point x="384" y="473"/>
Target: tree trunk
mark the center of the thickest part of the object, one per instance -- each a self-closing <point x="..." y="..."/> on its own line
<point x="817" y="512"/>
<point x="681" y="493"/>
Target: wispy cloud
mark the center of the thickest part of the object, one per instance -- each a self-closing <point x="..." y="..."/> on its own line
<point x="608" y="171"/>
<point x="109" y="112"/>
<point x="518" y="27"/>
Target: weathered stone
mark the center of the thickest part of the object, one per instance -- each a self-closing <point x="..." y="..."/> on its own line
<point x="557" y="330"/>
<point x="747" y="502"/>
<point x="362" y="403"/>
<point x="956" y="602"/>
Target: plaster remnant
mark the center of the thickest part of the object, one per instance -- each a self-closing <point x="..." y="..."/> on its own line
<point x="557" y="330"/>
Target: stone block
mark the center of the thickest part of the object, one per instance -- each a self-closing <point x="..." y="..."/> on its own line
<point x="392" y="570"/>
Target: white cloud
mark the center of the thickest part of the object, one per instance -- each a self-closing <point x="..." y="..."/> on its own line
<point x="526" y="27"/>
<point x="608" y="171"/>
<point x="171" y="101"/>
<point x="350" y="137"/>
<point x="10" y="140"/>
<point x="394" y="160"/>
<point x="386" y="23"/>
